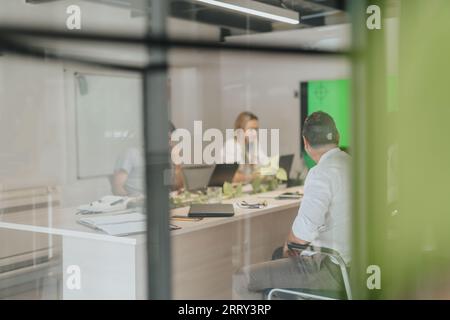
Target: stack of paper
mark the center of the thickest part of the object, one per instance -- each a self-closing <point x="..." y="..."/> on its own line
<point x="105" y="204"/>
<point x="118" y="224"/>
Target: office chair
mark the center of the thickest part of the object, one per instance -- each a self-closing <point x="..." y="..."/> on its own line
<point x="316" y="294"/>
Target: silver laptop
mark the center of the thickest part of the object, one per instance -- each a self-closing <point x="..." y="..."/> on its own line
<point x="196" y="177"/>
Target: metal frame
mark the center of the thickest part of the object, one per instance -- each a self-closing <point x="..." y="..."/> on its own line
<point x="297" y="293"/>
<point x="323" y="251"/>
<point x="156" y="125"/>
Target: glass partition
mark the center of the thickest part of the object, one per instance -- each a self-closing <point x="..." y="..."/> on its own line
<point x="173" y="149"/>
<point x="154" y="149"/>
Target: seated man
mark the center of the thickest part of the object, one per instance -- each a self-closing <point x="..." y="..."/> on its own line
<point x="323" y="220"/>
<point x="128" y="178"/>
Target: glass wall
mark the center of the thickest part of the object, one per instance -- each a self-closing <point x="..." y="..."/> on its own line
<point x="172" y="149"/>
<point x="72" y="151"/>
<point x="108" y="134"/>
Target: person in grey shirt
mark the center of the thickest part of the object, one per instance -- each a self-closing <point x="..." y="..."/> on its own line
<point x="323" y="220"/>
<point x="129" y="172"/>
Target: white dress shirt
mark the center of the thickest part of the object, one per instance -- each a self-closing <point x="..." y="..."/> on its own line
<point x="324" y="217"/>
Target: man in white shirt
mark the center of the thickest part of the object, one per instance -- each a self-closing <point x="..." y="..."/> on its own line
<point x="323" y="220"/>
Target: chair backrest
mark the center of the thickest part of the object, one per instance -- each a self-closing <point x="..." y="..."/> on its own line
<point x="330" y="253"/>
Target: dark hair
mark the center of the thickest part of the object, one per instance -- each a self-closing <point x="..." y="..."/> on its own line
<point x="243" y="118"/>
<point x="319" y="129"/>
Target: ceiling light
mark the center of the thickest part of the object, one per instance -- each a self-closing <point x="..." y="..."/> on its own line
<point x="257" y="9"/>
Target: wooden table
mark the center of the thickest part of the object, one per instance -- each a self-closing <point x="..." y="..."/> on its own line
<point x="205" y="254"/>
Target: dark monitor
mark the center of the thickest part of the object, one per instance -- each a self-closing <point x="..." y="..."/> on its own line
<point x="286" y="163"/>
<point x="223" y="173"/>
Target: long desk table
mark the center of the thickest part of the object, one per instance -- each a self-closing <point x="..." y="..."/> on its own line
<point x="205" y="254"/>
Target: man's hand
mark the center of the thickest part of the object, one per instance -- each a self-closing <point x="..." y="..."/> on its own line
<point x="289" y="253"/>
<point x="292" y="238"/>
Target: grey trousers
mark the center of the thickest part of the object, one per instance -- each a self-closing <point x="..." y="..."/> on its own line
<point x="315" y="272"/>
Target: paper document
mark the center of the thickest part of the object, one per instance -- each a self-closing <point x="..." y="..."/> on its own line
<point x="105" y="204"/>
<point x="118" y="224"/>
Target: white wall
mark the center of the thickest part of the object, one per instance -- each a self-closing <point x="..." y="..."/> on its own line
<point x="31" y="112"/>
<point x="196" y="90"/>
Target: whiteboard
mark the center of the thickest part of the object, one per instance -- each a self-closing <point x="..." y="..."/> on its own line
<point x="108" y="120"/>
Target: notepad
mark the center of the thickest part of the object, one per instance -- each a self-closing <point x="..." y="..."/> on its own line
<point x="104" y="205"/>
<point x="118" y="224"/>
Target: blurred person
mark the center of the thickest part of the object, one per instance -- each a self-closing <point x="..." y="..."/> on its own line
<point x="323" y="220"/>
<point x="247" y="152"/>
<point x="129" y="172"/>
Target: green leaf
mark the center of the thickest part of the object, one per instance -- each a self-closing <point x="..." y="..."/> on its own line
<point x="227" y="189"/>
<point x="256" y="184"/>
<point x="281" y="174"/>
<point x="238" y="190"/>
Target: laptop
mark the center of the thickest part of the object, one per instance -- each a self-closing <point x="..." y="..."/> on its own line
<point x="213" y="210"/>
<point x="286" y="163"/>
<point x="223" y="173"/>
<point x="196" y="177"/>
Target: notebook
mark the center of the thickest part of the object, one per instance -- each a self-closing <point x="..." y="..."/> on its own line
<point x="211" y="210"/>
<point x="104" y="205"/>
<point x="118" y="224"/>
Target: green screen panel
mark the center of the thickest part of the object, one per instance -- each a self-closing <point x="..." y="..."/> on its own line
<point x="332" y="97"/>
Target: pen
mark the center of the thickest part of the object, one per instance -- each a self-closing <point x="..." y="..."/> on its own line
<point x="116" y="202"/>
<point x="174" y="227"/>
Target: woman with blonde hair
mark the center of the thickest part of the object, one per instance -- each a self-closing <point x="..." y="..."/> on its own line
<point x="244" y="148"/>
